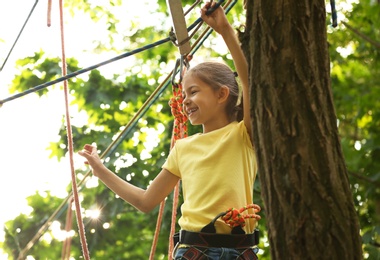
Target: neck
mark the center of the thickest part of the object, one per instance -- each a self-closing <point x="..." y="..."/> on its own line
<point x="209" y="127"/>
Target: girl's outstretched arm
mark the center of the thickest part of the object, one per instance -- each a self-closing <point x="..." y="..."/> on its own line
<point x="143" y="200"/>
<point x="218" y="21"/>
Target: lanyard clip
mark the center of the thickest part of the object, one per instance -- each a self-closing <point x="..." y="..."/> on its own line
<point x="181" y="66"/>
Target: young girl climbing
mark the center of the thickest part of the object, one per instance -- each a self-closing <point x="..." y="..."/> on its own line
<point x="217" y="167"/>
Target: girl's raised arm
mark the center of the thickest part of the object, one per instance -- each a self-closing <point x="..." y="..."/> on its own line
<point x="218" y="21"/>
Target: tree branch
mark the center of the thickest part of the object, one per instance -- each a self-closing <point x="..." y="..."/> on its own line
<point x="363" y="178"/>
<point x="362" y="35"/>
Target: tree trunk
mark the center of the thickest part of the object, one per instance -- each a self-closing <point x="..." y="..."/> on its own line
<point x="308" y="201"/>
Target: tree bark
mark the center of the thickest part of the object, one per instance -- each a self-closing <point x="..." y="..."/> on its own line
<point x="308" y="201"/>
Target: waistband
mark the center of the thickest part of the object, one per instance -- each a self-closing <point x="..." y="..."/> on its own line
<point x="202" y="239"/>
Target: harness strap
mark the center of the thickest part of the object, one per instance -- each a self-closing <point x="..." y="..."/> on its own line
<point x="200" y="239"/>
<point x="248" y="254"/>
<point x="194" y="254"/>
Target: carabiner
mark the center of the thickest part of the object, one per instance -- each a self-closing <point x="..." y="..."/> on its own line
<point x="179" y="67"/>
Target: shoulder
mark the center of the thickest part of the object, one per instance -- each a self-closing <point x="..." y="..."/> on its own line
<point x="187" y="139"/>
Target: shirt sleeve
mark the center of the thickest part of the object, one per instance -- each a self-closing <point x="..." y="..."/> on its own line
<point x="171" y="163"/>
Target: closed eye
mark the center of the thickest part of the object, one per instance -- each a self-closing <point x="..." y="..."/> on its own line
<point x="190" y="91"/>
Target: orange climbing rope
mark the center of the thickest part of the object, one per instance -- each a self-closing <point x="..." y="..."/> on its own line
<point x="234" y="218"/>
<point x="70" y="143"/>
<point x="179" y="131"/>
<point x="69" y="223"/>
<point x="180" y="119"/>
<point x="49" y="13"/>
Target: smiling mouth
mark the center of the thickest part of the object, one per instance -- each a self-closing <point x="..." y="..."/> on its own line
<point x="191" y="111"/>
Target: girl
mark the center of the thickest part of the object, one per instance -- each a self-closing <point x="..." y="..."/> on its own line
<point x="217" y="167"/>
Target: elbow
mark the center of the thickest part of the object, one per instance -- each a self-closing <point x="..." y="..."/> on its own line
<point x="145" y="202"/>
<point x="145" y="209"/>
<point x="144" y="206"/>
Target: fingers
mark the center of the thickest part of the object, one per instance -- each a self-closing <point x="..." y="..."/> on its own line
<point x="87" y="151"/>
<point x="212" y="14"/>
<point x="209" y="8"/>
<point x="88" y="147"/>
<point x="206" y="7"/>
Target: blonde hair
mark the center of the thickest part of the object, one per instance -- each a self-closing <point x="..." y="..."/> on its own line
<point x="217" y="74"/>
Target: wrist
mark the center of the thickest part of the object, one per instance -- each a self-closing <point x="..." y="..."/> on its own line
<point x="227" y="31"/>
<point x="99" y="169"/>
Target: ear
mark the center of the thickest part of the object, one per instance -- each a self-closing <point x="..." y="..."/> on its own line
<point x="224" y="93"/>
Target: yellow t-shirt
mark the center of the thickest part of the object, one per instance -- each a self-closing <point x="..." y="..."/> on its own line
<point x="217" y="170"/>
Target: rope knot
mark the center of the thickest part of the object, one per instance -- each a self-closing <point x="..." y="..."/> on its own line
<point x="234" y="217"/>
<point x="176" y="105"/>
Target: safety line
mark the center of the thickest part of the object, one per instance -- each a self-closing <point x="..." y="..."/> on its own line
<point x="70" y="142"/>
<point x="19" y="34"/>
<point x="78" y="72"/>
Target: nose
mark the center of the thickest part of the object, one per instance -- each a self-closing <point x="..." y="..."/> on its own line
<point x="186" y="101"/>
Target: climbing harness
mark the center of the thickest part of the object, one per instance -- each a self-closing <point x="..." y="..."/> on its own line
<point x="234" y="218"/>
<point x="207" y="237"/>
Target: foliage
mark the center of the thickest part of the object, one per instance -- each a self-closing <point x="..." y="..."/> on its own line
<point x="111" y="101"/>
<point x="355" y="77"/>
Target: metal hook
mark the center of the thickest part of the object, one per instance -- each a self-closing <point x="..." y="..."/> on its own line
<point x="180" y="64"/>
<point x="175" y="70"/>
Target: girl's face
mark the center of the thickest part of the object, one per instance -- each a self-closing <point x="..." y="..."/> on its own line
<point x="202" y="104"/>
